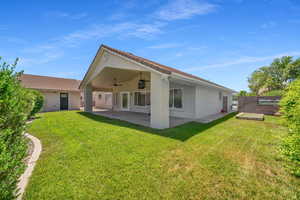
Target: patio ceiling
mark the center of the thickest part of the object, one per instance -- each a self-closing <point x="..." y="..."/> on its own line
<point x="108" y="75"/>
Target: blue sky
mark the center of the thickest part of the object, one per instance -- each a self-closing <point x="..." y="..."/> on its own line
<point x="219" y="40"/>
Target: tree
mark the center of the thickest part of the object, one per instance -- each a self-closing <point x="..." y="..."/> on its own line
<point x="15" y="106"/>
<point x="293" y="70"/>
<point x="259" y="79"/>
<point x="279" y="72"/>
<point x="242" y="93"/>
<point x="277" y="76"/>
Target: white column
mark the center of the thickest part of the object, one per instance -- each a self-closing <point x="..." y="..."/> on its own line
<point x="159" y="101"/>
<point x="88" y="99"/>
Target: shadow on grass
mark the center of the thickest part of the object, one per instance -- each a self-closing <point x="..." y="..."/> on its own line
<point x="182" y="132"/>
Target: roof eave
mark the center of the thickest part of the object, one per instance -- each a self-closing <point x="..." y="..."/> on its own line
<point x="194" y="80"/>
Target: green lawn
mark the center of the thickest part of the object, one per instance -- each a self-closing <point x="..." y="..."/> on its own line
<point x="90" y="157"/>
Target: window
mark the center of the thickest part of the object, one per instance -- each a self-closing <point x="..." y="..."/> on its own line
<point x="107" y="98"/>
<point x="141" y="98"/>
<point x="220" y="96"/>
<point x="268" y="102"/>
<point x="175" y="98"/>
<point x="99" y="96"/>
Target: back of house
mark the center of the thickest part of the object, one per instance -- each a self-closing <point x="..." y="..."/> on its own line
<point x="59" y="93"/>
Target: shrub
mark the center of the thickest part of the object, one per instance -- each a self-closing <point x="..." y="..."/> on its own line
<point x="15" y="106"/>
<point x="38" y="102"/>
<point x="290" y="109"/>
<point x="273" y="93"/>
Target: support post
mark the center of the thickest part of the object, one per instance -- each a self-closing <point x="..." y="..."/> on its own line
<point x="160" y="90"/>
<point x="88" y="99"/>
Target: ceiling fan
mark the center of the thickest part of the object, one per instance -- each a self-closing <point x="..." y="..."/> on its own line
<point x="115" y="83"/>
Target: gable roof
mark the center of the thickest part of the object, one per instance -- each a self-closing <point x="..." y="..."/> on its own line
<point x="155" y="66"/>
<point x="49" y="83"/>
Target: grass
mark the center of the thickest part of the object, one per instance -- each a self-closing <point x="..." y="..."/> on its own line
<point x="91" y="157"/>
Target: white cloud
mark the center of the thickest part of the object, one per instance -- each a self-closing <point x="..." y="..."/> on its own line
<point x="72" y="16"/>
<point x="165" y="46"/>
<point x="126" y="29"/>
<point x="179" y="54"/>
<point x="12" y="39"/>
<point x="40" y="59"/>
<point x="184" y="9"/>
<point x="146" y="31"/>
<point x="243" y="60"/>
<point x="200" y="48"/>
<point x="64" y="74"/>
<point x="267" y="25"/>
<point x="55" y="48"/>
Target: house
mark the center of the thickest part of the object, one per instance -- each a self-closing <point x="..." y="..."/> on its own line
<point x="59" y="93"/>
<point x="102" y="100"/>
<point x="139" y="85"/>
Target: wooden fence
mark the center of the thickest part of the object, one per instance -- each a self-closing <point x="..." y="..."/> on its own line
<point x="259" y="104"/>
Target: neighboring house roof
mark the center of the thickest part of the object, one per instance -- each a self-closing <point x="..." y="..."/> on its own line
<point x="49" y="83"/>
<point x="154" y="65"/>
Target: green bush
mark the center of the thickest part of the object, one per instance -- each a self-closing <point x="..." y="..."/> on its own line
<point x="38" y="102"/>
<point x="290" y="109"/>
<point x="273" y="93"/>
<point x="15" y="105"/>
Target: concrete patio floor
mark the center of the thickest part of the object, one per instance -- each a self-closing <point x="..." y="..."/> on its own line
<point x="144" y="119"/>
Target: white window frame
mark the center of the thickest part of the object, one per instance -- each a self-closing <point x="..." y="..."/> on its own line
<point x="105" y="98"/>
<point x="144" y="92"/>
<point x="182" y="92"/>
<point x="220" y="96"/>
<point x="128" y="100"/>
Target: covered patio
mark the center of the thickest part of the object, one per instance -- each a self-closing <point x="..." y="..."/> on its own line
<point x="142" y="119"/>
<point x="150" y="94"/>
<point x="131" y="84"/>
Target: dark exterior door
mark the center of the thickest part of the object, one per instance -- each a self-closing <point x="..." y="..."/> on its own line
<point x="64" y="99"/>
<point x="225" y="103"/>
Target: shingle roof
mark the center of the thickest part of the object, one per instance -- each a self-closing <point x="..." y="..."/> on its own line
<point x="159" y="67"/>
<point x="49" y="83"/>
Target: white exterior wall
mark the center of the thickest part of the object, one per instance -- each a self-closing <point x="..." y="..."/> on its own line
<point x="229" y="95"/>
<point x="188" y="101"/>
<point x="74" y="100"/>
<point x="52" y="100"/>
<point x="208" y="101"/>
<point x="102" y="103"/>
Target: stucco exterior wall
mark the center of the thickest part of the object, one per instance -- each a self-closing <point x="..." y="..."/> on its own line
<point x="188" y="101"/>
<point x="103" y="102"/>
<point x="52" y="100"/>
<point x="229" y="100"/>
<point x="208" y="101"/>
<point x="74" y="100"/>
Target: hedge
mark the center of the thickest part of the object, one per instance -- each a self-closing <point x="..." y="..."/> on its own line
<point x="16" y="103"/>
<point x="290" y="109"/>
<point x="38" y="102"/>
